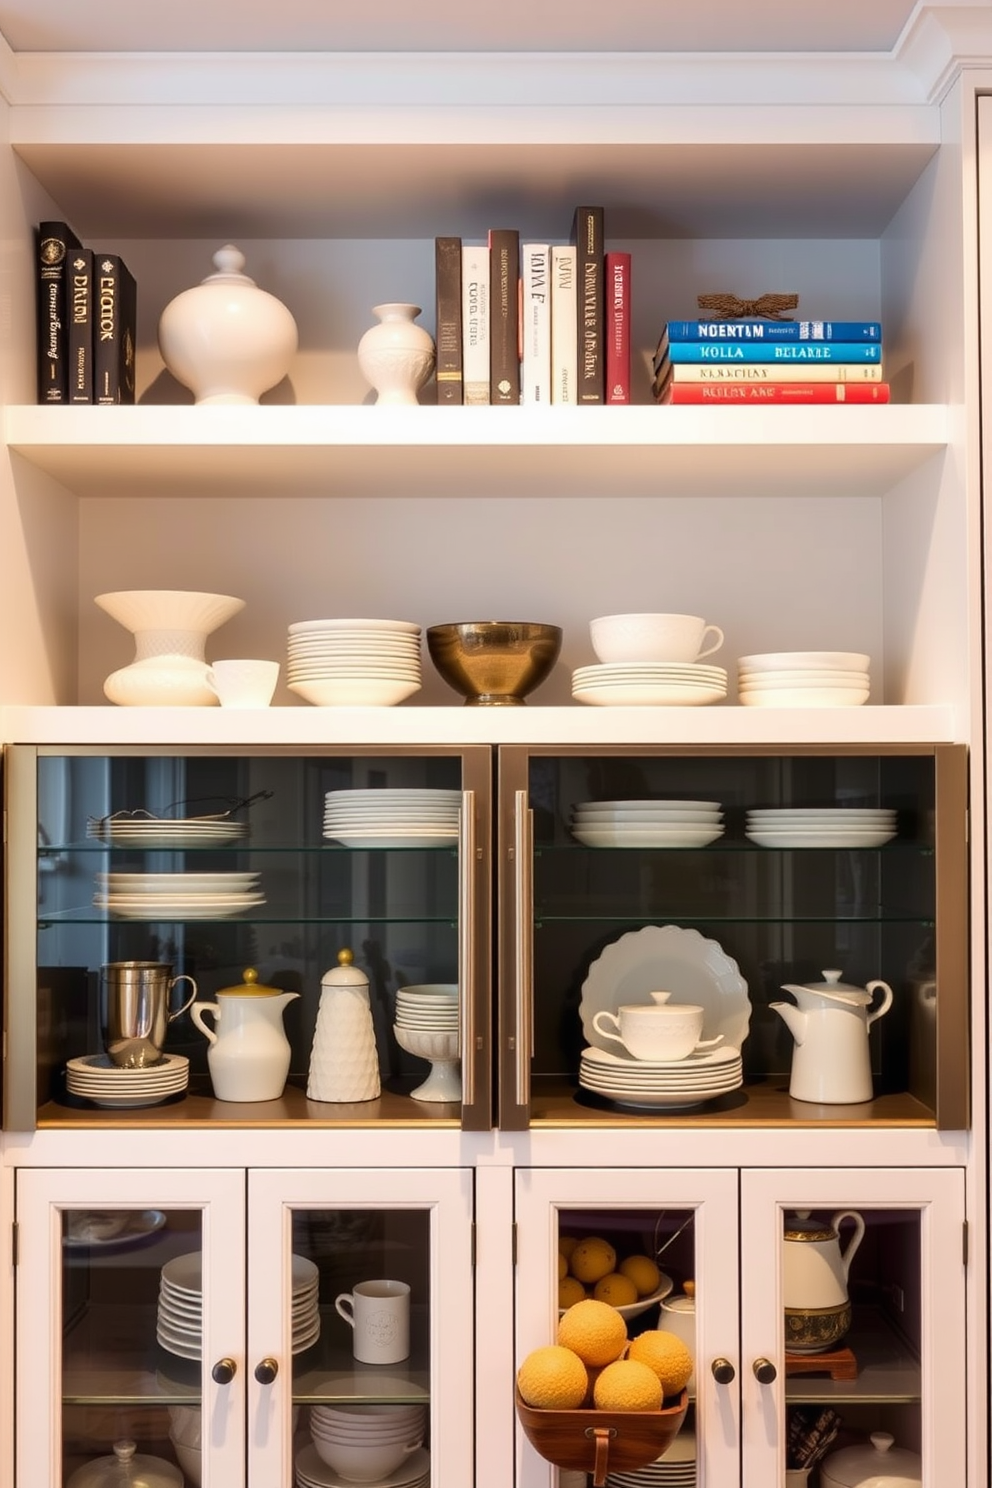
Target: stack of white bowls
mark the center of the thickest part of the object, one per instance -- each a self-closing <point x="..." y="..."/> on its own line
<point x="427" y="1026"/>
<point x="369" y="1443"/>
<point x="180" y="1305"/>
<point x="186" y="896"/>
<point x="647" y="823"/>
<point x="821" y="826"/>
<point x="354" y="663"/>
<point x="389" y="817"/>
<point x="649" y="660"/>
<point x="803" y="679"/>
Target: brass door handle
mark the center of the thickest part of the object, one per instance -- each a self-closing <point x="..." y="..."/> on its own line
<point x="723" y="1371"/>
<point x="266" y="1371"/>
<point x="764" y="1371"/>
<point x="223" y="1371"/>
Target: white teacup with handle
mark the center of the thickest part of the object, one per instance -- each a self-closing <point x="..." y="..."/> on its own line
<point x="242" y="682"/>
<point x="653" y="638"/>
<point x="659" y="1031"/>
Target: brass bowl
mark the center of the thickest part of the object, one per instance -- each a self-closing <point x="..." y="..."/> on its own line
<point x="596" y="1441"/>
<point x="494" y="663"/>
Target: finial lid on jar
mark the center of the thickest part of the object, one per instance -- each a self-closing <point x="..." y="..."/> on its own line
<point x="229" y="263"/>
<point x="346" y="973"/>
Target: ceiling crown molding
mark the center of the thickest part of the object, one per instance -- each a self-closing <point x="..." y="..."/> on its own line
<point x="941" y="39"/>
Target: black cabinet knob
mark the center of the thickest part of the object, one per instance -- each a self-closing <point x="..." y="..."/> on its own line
<point x="224" y="1371"/>
<point x="723" y="1371"/>
<point x="764" y="1371"/>
<point x="266" y="1371"/>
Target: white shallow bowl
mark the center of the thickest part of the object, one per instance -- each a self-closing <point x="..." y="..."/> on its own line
<point x="851" y="661"/>
<point x="306" y="627"/>
<point x="804" y="697"/>
<point x="354" y="693"/>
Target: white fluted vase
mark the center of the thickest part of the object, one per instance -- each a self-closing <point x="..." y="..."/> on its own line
<point x="397" y="355"/>
<point x="344" y="1060"/>
<point x="170" y="628"/>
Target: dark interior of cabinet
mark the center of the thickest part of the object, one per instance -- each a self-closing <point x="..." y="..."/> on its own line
<point x="782" y="916"/>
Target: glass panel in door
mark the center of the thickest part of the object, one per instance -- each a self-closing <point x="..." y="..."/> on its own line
<point x="360" y="1330"/>
<point x="116" y="1305"/>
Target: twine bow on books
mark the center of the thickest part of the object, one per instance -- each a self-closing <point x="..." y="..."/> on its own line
<point x="767" y="306"/>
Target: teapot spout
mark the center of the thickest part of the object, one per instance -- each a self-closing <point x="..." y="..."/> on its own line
<point x="794" y="1019"/>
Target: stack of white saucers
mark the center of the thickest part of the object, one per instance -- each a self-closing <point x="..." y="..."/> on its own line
<point x="804" y="679"/>
<point x="142" y="829"/>
<point x="647" y="823"/>
<point x="392" y="818"/>
<point x="646" y="1084"/>
<point x="676" y="1469"/>
<point x="97" y="1079"/>
<point x="826" y="826"/>
<point x="354" y="663"/>
<point x="643" y="684"/>
<point x="432" y="1007"/>
<point x="184" y="896"/>
<point x="427" y="1026"/>
<point x="179" y="1322"/>
<point x="312" y="1472"/>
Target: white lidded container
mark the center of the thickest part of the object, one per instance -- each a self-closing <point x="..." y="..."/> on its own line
<point x="876" y="1464"/>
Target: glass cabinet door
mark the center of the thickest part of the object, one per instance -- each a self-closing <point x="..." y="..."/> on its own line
<point x="130" y="1322"/>
<point x="360" y="1333"/>
<point x="684" y="1225"/>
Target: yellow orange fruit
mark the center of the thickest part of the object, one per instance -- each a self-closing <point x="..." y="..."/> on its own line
<point x="570" y="1291"/>
<point x="627" y="1386"/>
<point x="617" y="1290"/>
<point x="566" y="1244"/>
<point x="592" y="1259"/>
<point x="593" y="1330"/>
<point x="552" y="1378"/>
<point x="643" y="1272"/>
<point x="666" y="1355"/>
<point x="562" y="1267"/>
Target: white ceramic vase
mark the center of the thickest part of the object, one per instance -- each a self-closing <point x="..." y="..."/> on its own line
<point x="170" y="629"/>
<point x="344" y="1060"/>
<point x="397" y="355"/>
<point x="225" y="338"/>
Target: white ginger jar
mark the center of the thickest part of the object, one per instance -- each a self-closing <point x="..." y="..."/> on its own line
<point x="397" y="355"/>
<point x="344" y="1060"/>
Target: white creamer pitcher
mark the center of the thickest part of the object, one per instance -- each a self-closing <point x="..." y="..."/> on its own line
<point x="249" y="1052"/>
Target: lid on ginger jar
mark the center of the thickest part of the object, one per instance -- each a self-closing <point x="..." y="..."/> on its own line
<point x="346" y="973"/>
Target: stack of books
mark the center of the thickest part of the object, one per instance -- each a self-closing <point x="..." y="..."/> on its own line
<point x="87" y="321"/>
<point x="522" y="322"/>
<point x="770" y="361"/>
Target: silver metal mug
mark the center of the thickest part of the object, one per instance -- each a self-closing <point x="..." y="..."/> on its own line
<point x="135" y="1012"/>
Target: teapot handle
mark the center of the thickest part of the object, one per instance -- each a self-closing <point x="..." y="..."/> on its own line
<point x="847" y="1256"/>
<point x="884" y="1005"/>
<point x="196" y="1013"/>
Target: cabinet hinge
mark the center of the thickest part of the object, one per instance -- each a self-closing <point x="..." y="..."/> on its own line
<point x="513" y="1244"/>
<point x="14" y="1243"/>
<point x="964" y="1243"/>
<point x="472" y="1245"/>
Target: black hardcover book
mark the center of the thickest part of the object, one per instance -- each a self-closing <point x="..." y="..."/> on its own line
<point x="79" y="324"/>
<point x="114" y="329"/>
<point x="55" y="240"/>
<point x="448" y="298"/>
<point x="588" y="235"/>
<point x="504" y="315"/>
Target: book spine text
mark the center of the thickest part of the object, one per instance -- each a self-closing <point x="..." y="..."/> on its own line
<point x="448" y="324"/>
<point x="504" y="315"/>
<point x="588" y="237"/>
<point x="535" y="366"/>
<point x="617" y="295"/>
<point x="564" y="335"/>
<point x="475" y="324"/>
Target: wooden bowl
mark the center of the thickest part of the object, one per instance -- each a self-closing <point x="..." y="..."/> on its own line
<point x="596" y="1441"/>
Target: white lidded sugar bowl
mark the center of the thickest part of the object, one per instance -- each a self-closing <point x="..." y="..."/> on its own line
<point x="344" y="1059"/>
<point x="225" y="338"/>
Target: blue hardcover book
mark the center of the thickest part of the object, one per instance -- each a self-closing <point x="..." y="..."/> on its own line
<point x="764" y="351"/>
<point x="774" y="330"/>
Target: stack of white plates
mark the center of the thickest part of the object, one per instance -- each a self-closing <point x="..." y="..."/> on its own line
<point x="180" y="1305"/>
<point x="432" y="1007"/>
<point x="142" y="829"/>
<point x="645" y="1084"/>
<point x="99" y="1080"/>
<point x="803" y="679"/>
<point x="392" y="818"/>
<point x="185" y="896"/>
<point x="311" y="1472"/>
<point x="676" y="1469"/>
<point x="647" y="823"/>
<point x="827" y="826"/>
<point x="643" y="684"/>
<point x="354" y="663"/>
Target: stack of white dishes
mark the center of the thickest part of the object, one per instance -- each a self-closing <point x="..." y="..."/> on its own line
<point x="367" y="1443"/>
<point x="182" y="896"/>
<point x="142" y="829"/>
<point x="392" y="818"/>
<point x="676" y="1469"/>
<point x="427" y="1026"/>
<point x="826" y="826"/>
<point x="103" y="1083"/>
<point x="642" y="684"/>
<point x="313" y="1472"/>
<point x="354" y="663"/>
<point x="647" y="823"/>
<point x="676" y="1084"/>
<point x="803" y="679"/>
<point x="180" y="1305"/>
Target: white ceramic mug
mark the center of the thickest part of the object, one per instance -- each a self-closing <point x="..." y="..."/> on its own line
<point x="243" y="683"/>
<point x="670" y="1031"/>
<point x="653" y="638"/>
<point x="678" y="1316"/>
<point x="379" y="1314"/>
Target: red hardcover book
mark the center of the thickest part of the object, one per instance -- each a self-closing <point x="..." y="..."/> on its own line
<point x="776" y="392"/>
<point x="617" y="296"/>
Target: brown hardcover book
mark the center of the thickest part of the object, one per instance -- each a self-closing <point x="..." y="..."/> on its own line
<point x="448" y="297"/>
<point x="504" y="315"/>
<point x="114" y="329"/>
<point x="588" y="235"/>
<point x="55" y="240"/>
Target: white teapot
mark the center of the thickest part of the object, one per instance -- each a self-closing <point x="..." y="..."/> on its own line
<point x="830" y="1023"/>
<point x="814" y="1279"/>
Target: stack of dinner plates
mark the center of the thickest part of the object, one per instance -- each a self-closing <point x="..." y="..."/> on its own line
<point x="676" y="1469"/>
<point x="646" y="1084"/>
<point x="647" y="823"/>
<point x="179" y="896"/>
<point x="97" y="1079"/>
<point x="803" y="679"/>
<point x="643" y="684"/>
<point x="392" y="818"/>
<point x="313" y="1472"/>
<point x="180" y="1305"/>
<point x="142" y="829"/>
<point x="354" y="663"/>
<point x="823" y="826"/>
<point x="431" y="1007"/>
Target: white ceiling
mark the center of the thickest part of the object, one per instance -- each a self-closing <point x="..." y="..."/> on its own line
<point x="452" y="25"/>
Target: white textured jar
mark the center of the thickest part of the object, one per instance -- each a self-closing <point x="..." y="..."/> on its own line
<point x="225" y="338"/>
<point x="397" y="355"/>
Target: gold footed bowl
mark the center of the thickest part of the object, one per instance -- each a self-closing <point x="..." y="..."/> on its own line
<point x="494" y="663"/>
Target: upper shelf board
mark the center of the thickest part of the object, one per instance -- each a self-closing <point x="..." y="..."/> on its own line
<point x="430" y="451"/>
